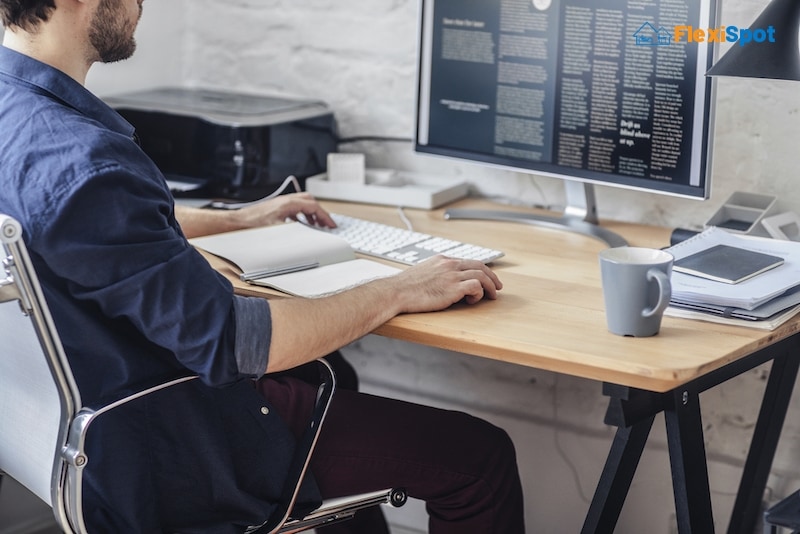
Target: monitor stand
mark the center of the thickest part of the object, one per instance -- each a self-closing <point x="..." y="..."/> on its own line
<point x="580" y="215"/>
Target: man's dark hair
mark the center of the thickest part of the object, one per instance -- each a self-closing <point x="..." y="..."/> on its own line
<point x="25" y="14"/>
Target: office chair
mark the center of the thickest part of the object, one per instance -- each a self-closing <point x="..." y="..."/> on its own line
<point x="43" y="424"/>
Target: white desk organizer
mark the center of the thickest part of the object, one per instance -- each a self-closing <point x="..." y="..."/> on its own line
<point x="390" y="188"/>
<point x="743" y="212"/>
<point x="784" y="226"/>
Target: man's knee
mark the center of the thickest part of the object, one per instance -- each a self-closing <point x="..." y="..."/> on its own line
<point x="494" y="437"/>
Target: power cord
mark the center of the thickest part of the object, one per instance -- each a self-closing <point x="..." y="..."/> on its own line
<point x="404" y="218"/>
<point x="290" y="180"/>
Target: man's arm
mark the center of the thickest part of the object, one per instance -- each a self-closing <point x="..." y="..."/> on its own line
<point x="305" y="329"/>
<point x="197" y="222"/>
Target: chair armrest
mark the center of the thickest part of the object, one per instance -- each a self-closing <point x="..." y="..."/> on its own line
<point x="74" y="452"/>
<point x="75" y="458"/>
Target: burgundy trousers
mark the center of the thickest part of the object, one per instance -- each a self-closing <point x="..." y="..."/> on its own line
<point x="464" y="468"/>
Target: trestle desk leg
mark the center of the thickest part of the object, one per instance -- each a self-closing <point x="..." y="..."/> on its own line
<point x="777" y="395"/>
<point x="688" y="461"/>
<point x="615" y="481"/>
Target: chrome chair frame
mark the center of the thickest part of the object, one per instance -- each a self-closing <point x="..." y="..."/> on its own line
<point x="44" y="424"/>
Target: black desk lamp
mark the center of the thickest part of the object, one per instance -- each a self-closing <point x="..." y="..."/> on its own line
<point x="778" y="60"/>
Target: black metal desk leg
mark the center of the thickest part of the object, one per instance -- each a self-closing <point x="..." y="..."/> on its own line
<point x="687" y="457"/>
<point x="777" y="395"/>
<point x="615" y="481"/>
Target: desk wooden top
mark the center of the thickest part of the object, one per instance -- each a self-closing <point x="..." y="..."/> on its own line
<point x="549" y="314"/>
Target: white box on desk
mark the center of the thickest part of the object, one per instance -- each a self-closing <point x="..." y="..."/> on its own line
<point x="391" y="188"/>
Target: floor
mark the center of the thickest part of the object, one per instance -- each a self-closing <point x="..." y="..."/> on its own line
<point x="23" y="513"/>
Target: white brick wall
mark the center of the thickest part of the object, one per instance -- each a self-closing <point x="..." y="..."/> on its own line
<point x="360" y="57"/>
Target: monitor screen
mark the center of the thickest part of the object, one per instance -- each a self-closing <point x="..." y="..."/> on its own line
<point x="608" y="92"/>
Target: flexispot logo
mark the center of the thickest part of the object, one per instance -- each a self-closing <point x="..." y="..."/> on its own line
<point x="649" y="35"/>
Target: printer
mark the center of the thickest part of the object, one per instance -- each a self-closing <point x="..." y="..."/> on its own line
<point x="218" y="144"/>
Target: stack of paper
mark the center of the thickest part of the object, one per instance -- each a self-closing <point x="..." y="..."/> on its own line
<point x="763" y="301"/>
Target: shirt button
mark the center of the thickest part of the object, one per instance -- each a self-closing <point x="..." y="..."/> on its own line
<point x="265" y="410"/>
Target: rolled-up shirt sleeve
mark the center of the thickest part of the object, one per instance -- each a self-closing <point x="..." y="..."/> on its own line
<point x="253" y="335"/>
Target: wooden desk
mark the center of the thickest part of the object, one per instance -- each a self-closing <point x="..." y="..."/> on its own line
<point x="550" y="316"/>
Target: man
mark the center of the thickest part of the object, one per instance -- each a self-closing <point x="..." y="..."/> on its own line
<point x="136" y="304"/>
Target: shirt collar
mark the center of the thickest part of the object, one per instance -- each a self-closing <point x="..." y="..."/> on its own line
<point x="21" y="69"/>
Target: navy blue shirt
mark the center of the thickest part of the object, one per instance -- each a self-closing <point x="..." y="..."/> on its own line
<point x="135" y="305"/>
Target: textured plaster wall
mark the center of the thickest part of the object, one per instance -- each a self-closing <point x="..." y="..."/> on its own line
<point x="359" y="56"/>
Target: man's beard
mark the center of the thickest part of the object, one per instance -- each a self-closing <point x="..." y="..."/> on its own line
<point x="109" y="35"/>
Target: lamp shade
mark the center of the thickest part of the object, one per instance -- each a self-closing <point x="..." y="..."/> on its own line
<point x="762" y="58"/>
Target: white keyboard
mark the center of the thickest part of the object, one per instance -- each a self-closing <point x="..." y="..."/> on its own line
<point x="402" y="245"/>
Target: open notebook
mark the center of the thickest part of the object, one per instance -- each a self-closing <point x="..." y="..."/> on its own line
<point x="294" y="258"/>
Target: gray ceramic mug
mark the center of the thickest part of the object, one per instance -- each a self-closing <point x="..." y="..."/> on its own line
<point x="636" y="289"/>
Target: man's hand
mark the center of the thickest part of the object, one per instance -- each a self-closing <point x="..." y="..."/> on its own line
<point x="278" y="209"/>
<point x="199" y="222"/>
<point x="440" y="282"/>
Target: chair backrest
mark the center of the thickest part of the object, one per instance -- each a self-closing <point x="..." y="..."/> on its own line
<point x="38" y="396"/>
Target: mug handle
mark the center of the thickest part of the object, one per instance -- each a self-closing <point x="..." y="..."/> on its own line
<point x="664" y="292"/>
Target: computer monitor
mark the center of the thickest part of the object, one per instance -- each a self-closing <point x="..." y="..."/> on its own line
<point x="609" y="92"/>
